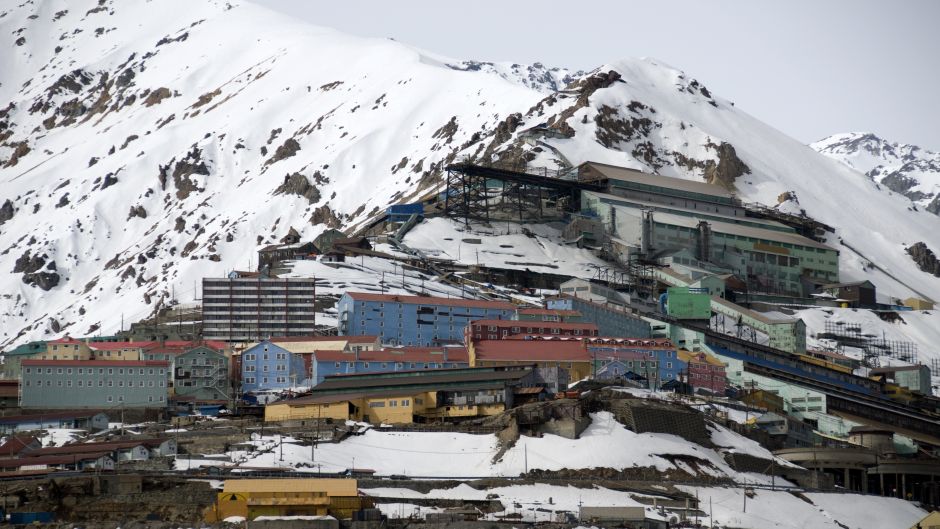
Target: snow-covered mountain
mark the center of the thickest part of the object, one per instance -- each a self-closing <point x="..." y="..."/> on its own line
<point x="145" y="145"/>
<point x="900" y="167"/>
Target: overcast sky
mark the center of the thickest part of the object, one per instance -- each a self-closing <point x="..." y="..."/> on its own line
<point x="808" y="67"/>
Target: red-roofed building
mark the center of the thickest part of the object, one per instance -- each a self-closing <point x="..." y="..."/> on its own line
<point x="570" y="355"/>
<point x="504" y="329"/>
<point x="18" y="445"/>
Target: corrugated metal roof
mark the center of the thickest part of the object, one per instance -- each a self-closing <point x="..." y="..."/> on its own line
<point x="531" y="351"/>
<point x="632" y="175"/>
<point x="429" y="300"/>
<point x="738" y="229"/>
<point x="332" y="486"/>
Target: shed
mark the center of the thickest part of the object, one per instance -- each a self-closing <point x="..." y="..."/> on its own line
<point x="918" y="304"/>
<point x="856" y="293"/>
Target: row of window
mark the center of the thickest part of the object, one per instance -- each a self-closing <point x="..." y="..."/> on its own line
<point x="264" y="380"/>
<point x="90" y="383"/>
<point x="398" y="365"/>
<point x="281" y="368"/>
<point x="250" y="357"/>
<point x="91" y="370"/>
<point x="392" y="403"/>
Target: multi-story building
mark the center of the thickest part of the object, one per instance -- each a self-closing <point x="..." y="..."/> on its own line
<point x="549" y="315"/>
<point x="569" y="355"/>
<point x="611" y="318"/>
<point x="704" y="371"/>
<point x="93" y="384"/>
<point x="339" y="362"/>
<point x="246" y="307"/>
<point x="201" y="373"/>
<point x="267" y="365"/>
<point x="415" y="320"/>
<point x="65" y="349"/>
<point x="504" y="329"/>
<point x="708" y="227"/>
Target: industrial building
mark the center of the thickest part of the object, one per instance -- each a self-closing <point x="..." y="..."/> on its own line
<point x="409" y="396"/>
<point x="415" y="320"/>
<point x="701" y="225"/>
<point x="100" y="384"/>
<point x="247" y="307"/>
<point x="611" y="319"/>
<point x="301" y="497"/>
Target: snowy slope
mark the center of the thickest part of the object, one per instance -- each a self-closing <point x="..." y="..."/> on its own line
<point x="900" y="167"/>
<point x="197" y="111"/>
<point x="145" y="145"/>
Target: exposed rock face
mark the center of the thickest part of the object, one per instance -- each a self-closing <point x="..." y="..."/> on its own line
<point x="6" y="211"/>
<point x="158" y="95"/>
<point x="925" y="258"/>
<point x="28" y="263"/>
<point x="43" y="280"/>
<point x="297" y="184"/>
<point x="728" y="168"/>
<point x="325" y="215"/>
<point x="137" y="211"/>
<point x="192" y="164"/>
<point x="286" y="150"/>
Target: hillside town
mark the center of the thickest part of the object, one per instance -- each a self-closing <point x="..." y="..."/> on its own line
<point x="686" y="334"/>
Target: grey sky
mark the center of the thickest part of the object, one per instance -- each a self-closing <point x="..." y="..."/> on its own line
<point x="809" y="68"/>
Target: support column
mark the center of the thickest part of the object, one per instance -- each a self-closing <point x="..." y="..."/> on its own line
<point x="847" y="473"/>
<point x="904" y="486"/>
<point x="881" y="481"/>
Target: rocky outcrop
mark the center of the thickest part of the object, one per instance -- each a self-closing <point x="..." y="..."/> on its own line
<point x="137" y="211"/>
<point x="157" y="96"/>
<point x="28" y="263"/>
<point x="325" y="215"/>
<point x="297" y="184"/>
<point x="44" y="280"/>
<point x="925" y="258"/>
<point x="286" y="150"/>
<point x="6" y="211"/>
<point x="728" y="168"/>
<point x="192" y="164"/>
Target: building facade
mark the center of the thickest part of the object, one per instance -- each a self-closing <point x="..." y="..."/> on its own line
<point x="245" y="309"/>
<point x="343" y="362"/>
<point x="504" y="329"/>
<point x="611" y="319"/>
<point x="93" y="384"/>
<point x="270" y="366"/>
<point x="415" y="320"/>
<point x="704" y="371"/>
<point x="202" y="373"/>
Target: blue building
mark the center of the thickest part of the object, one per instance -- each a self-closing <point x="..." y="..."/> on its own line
<point x="326" y="363"/>
<point x="269" y="366"/>
<point x="415" y="320"/>
<point x="656" y="359"/>
<point x="610" y="320"/>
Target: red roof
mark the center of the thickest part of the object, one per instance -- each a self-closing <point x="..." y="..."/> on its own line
<point x="50" y="460"/>
<point x="9" y="388"/>
<point x="174" y="344"/>
<point x="116" y="346"/>
<point x="549" y="312"/>
<point x="82" y="448"/>
<point x="66" y="341"/>
<point x="359" y="339"/>
<point x="428" y="300"/>
<point x="96" y="363"/>
<point x="536" y="324"/>
<point x="312" y="338"/>
<point x="16" y="444"/>
<point x="531" y="350"/>
<point x="399" y="354"/>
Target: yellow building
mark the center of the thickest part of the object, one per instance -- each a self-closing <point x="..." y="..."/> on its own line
<point x="931" y="521"/>
<point x="918" y="304"/>
<point x="250" y="498"/>
<point x="401" y="397"/>
<point x="65" y="349"/>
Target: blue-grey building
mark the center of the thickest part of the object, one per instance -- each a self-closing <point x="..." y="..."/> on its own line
<point x="93" y="384"/>
<point x="415" y="320"/>
<point x="610" y="321"/>
<point x="326" y="363"/>
<point x="269" y="366"/>
<point x="201" y="373"/>
<point x="655" y="359"/>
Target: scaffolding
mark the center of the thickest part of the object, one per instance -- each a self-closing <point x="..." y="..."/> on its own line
<point x="874" y="347"/>
<point x="504" y="192"/>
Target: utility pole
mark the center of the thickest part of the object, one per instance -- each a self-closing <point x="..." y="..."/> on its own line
<point x="525" y="448"/>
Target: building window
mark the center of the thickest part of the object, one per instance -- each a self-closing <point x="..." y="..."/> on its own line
<point x="393" y="403"/>
<point x="110" y="398"/>
<point x="365" y="365"/>
<point x="377" y="404"/>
